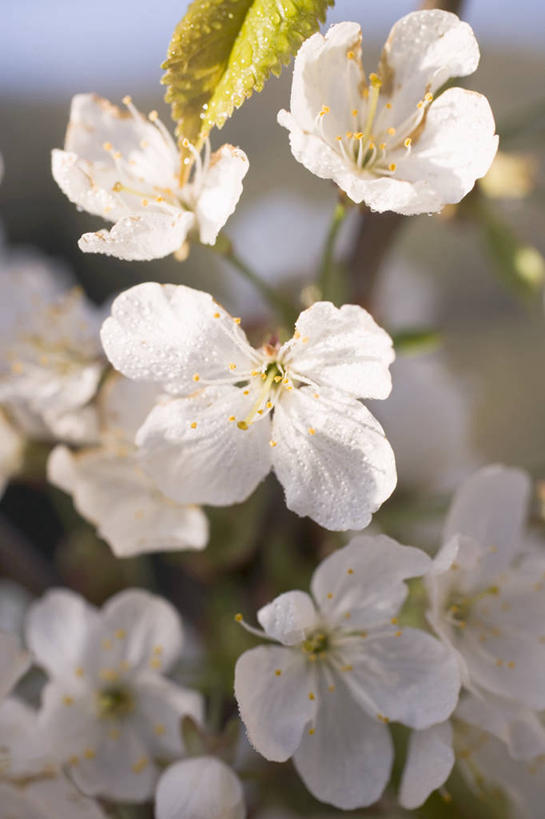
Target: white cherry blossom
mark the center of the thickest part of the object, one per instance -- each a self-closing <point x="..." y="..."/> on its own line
<point x="126" y="168"/>
<point x="236" y="412"/>
<point x="385" y="140"/>
<point x="111" y="489"/>
<point x="107" y="711"/>
<point x="50" y="355"/>
<point x="345" y="668"/>
<point x="199" y="788"/>
<point x="487" y="604"/>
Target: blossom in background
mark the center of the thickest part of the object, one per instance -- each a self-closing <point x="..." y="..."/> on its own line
<point x="199" y="788"/>
<point x="50" y="355"/>
<point x="487" y="604"/>
<point x="107" y="710"/>
<point x="15" y="661"/>
<point x="385" y="140"/>
<point x="236" y="412"/>
<point x="121" y="166"/>
<point x="111" y="489"/>
<point x="343" y="670"/>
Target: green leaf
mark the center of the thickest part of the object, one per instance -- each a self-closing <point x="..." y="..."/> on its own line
<point x="223" y="50"/>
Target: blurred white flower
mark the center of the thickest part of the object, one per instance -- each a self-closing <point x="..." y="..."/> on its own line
<point x="487" y="604"/>
<point x="345" y="668"/>
<point x="199" y="788"/>
<point x="107" y="711"/>
<point x="111" y="489"/>
<point x="47" y="798"/>
<point x="237" y="412"/>
<point x="51" y="360"/>
<point x="127" y="169"/>
<point x="386" y="141"/>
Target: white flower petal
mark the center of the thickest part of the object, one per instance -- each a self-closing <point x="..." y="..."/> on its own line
<point x="456" y="147"/>
<point x="120" y="769"/>
<point x="289" y="617"/>
<point x="315" y="154"/>
<point x="430" y="759"/>
<point x="123" y="407"/>
<point x="275" y="707"/>
<point x="168" y="333"/>
<point x="199" y="788"/>
<point x="332" y="458"/>
<point x="196" y="454"/>
<point x="58" y="799"/>
<point x="425" y="49"/>
<point x="57" y="630"/>
<point x="161" y="706"/>
<point x="141" y="236"/>
<point x="13" y="662"/>
<point x="491" y="507"/>
<point x="25" y="749"/>
<point x="88" y="186"/>
<point x="365" y="579"/>
<point x="406" y="676"/>
<point x="341" y="348"/>
<point x="220" y="191"/>
<point x="131" y="514"/>
<point x="520" y="728"/>
<point x="151" y="628"/>
<point x="347" y="759"/>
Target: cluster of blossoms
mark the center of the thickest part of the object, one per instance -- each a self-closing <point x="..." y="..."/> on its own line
<point x="195" y="415"/>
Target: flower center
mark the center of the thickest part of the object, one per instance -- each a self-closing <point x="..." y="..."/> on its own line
<point x="114" y="702"/>
<point x="316" y="644"/>
<point x="459" y="606"/>
<point x="272" y="379"/>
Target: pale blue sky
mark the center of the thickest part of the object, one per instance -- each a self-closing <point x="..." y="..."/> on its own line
<point x="52" y="48"/>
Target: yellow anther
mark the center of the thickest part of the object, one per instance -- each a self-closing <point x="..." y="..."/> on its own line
<point x="260" y="412"/>
<point x="339" y="138"/>
<point x="153" y="116"/>
<point x="255" y="372"/>
<point x="325" y="110"/>
<point x="398" y="634"/>
<point x="216" y="315"/>
<point x="347" y="616"/>
<point x="286" y="381"/>
<point x="331" y="688"/>
<point x="73" y="760"/>
<point x="391" y="131"/>
<point x="350" y="571"/>
<point x="428" y="97"/>
<point x="346" y="668"/>
<point x="117" y="187"/>
<point x="158" y="649"/>
<point x="297" y="334"/>
<point x="363" y="634"/>
<point x="246" y="392"/>
<point x="305" y="339"/>
<point x="394" y="621"/>
<point x="355" y="112"/>
<point x="117" y="155"/>
<point x="107" y="146"/>
<point x="408" y="142"/>
<point x="159" y="729"/>
<point x="350" y="55"/>
<point x="311" y="431"/>
<point x="358" y="135"/>
<point x="232" y="418"/>
<point x="329" y="596"/>
<point x="127" y="99"/>
<point x="144" y="202"/>
<point x="120" y="634"/>
<point x="382" y="718"/>
<point x="68" y="700"/>
<point x="349" y="135"/>
<point x="238" y="618"/>
<point x="108" y="674"/>
<point x="277" y="379"/>
<point x="155" y="662"/>
<point x="79" y="671"/>
<point x="232" y="366"/>
<point x="510" y="664"/>
<point x="392" y="166"/>
<point x="311" y="696"/>
<point x="144" y="143"/>
<point x="89" y="753"/>
<point x="311" y="731"/>
<point x="278" y="672"/>
<point x="420" y="105"/>
<point x="268" y="404"/>
<point x="140" y="764"/>
<point x="389" y="106"/>
<point x="236" y="320"/>
<point x="196" y="377"/>
<point x="375" y="80"/>
<point x="107" y="644"/>
<point x="499" y="663"/>
<point x="382" y="146"/>
<point x="272" y="443"/>
<point x="242" y="425"/>
<point x="193" y="425"/>
<point x="159" y="198"/>
<point x="316" y="395"/>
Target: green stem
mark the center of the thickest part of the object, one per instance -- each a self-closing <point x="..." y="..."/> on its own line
<point x="327" y="267"/>
<point x="285" y="310"/>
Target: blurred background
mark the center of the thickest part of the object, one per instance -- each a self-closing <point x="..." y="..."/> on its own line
<point x="471" y="275"/>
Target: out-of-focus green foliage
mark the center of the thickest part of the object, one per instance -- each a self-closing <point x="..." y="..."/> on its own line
<point x="223" y="50"/>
